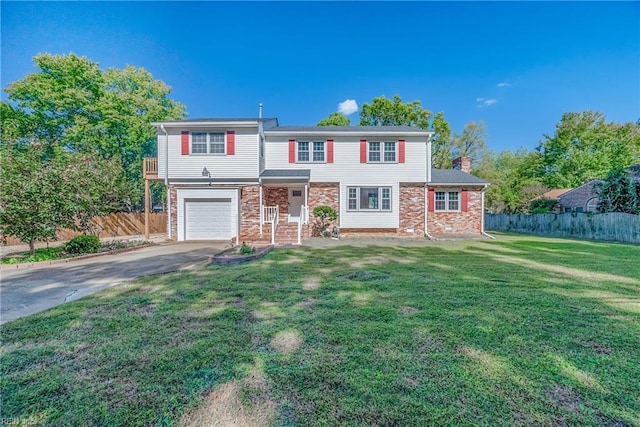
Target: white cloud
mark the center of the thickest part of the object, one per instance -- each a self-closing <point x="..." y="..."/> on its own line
<point x="485" y="102"/>
<point x="348" y="106"/>
<point x="503" y="84"/>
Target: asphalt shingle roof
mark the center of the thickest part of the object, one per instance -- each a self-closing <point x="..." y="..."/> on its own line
<point x="354" y="129"/>
<point x="286" y="173"/>
<point x="454" y="176"/>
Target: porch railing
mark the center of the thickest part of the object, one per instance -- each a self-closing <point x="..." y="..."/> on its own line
<point x="269" y="213"/>
<point x="304" y="219"/>
<point x="274" y="227"/>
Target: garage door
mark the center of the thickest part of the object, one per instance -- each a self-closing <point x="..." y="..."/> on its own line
<point x="208" y="219"/>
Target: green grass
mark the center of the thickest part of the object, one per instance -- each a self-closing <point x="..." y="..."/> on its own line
<point x="40" y="254"/>
<point x="517" y="331"/>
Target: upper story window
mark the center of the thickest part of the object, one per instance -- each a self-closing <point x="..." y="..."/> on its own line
<point x="382" y="152"/>
<point x="311" y="151"/>
<point x="447" y="201"/>
<point x="207" y="143"/>
<point x="369" y="198"/>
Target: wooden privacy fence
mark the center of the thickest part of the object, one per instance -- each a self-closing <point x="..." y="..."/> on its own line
<point x="117" y="224"/>
<point x="614" y="226"/>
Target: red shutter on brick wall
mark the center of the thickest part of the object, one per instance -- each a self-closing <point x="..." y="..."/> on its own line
<point x="465" y="201"/>
<point x="401" y="151"/>
<point x="329" y="150"/>
<point x="432" y="200"/>
<point x="231" y="143"/>
<point x="292" y="151"/>
<point x="185" y="142"/>
<point x="363" y="151"/>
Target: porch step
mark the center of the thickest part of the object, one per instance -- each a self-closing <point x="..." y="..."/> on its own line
<point x="287" y="233"/>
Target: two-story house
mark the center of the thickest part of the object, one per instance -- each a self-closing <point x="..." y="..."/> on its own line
<point x="251" y="180"/>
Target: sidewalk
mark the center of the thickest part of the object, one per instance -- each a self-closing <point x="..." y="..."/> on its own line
<point x="154" y="238"/>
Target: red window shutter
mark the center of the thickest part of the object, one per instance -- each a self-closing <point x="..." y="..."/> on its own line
<point x="185" y="142"/>
<point x="363" y="151"/>
<point x="292" y="151"/>
<point x="329" y="150"/>
<point x="401" y="151"/>
<point x="432" y="200"/>
<point x="464" y="201"/>
<point x="231" y="143"/>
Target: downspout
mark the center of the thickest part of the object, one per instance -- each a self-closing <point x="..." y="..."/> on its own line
<point x="426" y="190"/>
<point x="166" y="178"/>
<point x="261" y="209"/>
<point x="482" y="218"/>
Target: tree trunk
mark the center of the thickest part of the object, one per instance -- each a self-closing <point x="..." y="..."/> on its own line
<point x="32" y="247"/>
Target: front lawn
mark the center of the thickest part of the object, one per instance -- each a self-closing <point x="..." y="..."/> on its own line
<point x="517" y="331"/>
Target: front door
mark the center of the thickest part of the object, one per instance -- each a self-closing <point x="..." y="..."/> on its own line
<point x="296" y="200"/>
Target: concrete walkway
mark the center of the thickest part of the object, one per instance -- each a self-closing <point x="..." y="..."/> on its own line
<point x="26" y="291"/>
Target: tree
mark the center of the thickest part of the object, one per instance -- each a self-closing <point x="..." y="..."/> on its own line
<point x="441" y="144"/>
<point x="512" y="178"/>
<point x="470" y="142"/>
<point x="585" y="146"/>
<point x="71" y="104"/>
<point x="335" y="119"/>
<point x="387" y="112"/>
<point x="619" y="192"/>
<point x="41" y="193"/>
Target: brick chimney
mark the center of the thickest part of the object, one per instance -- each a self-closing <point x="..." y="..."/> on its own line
<point x="462" y="163"/>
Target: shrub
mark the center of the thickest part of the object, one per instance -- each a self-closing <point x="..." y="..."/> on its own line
<point x="324" y="215"/>
<point x="85" y="244"/>
<point x="246" y="249"/>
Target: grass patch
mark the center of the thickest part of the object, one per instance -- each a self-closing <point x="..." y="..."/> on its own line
<point x="522" y="330"/>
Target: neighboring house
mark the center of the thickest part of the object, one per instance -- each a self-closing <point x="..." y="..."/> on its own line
<point x="585" y="198"/>
<point x="243" y="179"/>
<point x="580" y="199"/>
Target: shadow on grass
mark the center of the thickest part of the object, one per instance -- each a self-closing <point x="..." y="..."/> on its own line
<point x="458" y="333"/>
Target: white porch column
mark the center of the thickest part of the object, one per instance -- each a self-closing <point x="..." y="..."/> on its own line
<point x="261" y="214"/>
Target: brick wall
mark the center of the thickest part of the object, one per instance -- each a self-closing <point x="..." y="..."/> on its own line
<point x="469" y="222"/>
<point x="323" y="194"/>
<point x="277" y="196"/>
<point x="249" y="212"/>
<point x="411" y="210"/>
<point x="173" y="203"/>
<point x="578" y="197"/>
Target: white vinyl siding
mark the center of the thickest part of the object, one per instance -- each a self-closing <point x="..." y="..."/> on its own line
<point x="346" y="166"/>
<point x="244" y="163"/>
<point x="207" y="213"/>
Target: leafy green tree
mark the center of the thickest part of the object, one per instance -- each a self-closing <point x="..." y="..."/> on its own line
<point x="73" y="105"/>
<point x="471" y="142"/>
<point x="41" y="193"/>
<point x="394" y="112"/>
<point x="619" y="192"/>
<point x="585" y="146"/>
<point x="512" y="178"/>
<point x="335" y="119"/>
<point x="441" y="143"/>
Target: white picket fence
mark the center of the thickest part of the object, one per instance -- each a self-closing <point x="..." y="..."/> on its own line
<point x="615" y="226"/>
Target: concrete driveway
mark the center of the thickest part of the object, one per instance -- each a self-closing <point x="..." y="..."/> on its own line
<point x="30" y="290"/>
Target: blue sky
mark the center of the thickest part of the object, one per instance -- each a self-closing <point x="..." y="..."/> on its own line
<point x="517" y="66"/>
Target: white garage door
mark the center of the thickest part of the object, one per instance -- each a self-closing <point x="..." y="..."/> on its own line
<point x="208" y="219"/>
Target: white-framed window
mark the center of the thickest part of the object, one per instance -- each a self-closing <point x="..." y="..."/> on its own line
<point x="447" y="201"/>
<point x="311" y="151"/>
<point x="207" y="143"/>
<point x="369" y="198"/>
<point x="382" y="152"/>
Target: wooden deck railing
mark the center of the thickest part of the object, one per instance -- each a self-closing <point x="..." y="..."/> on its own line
<point x="150" y="168"/>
